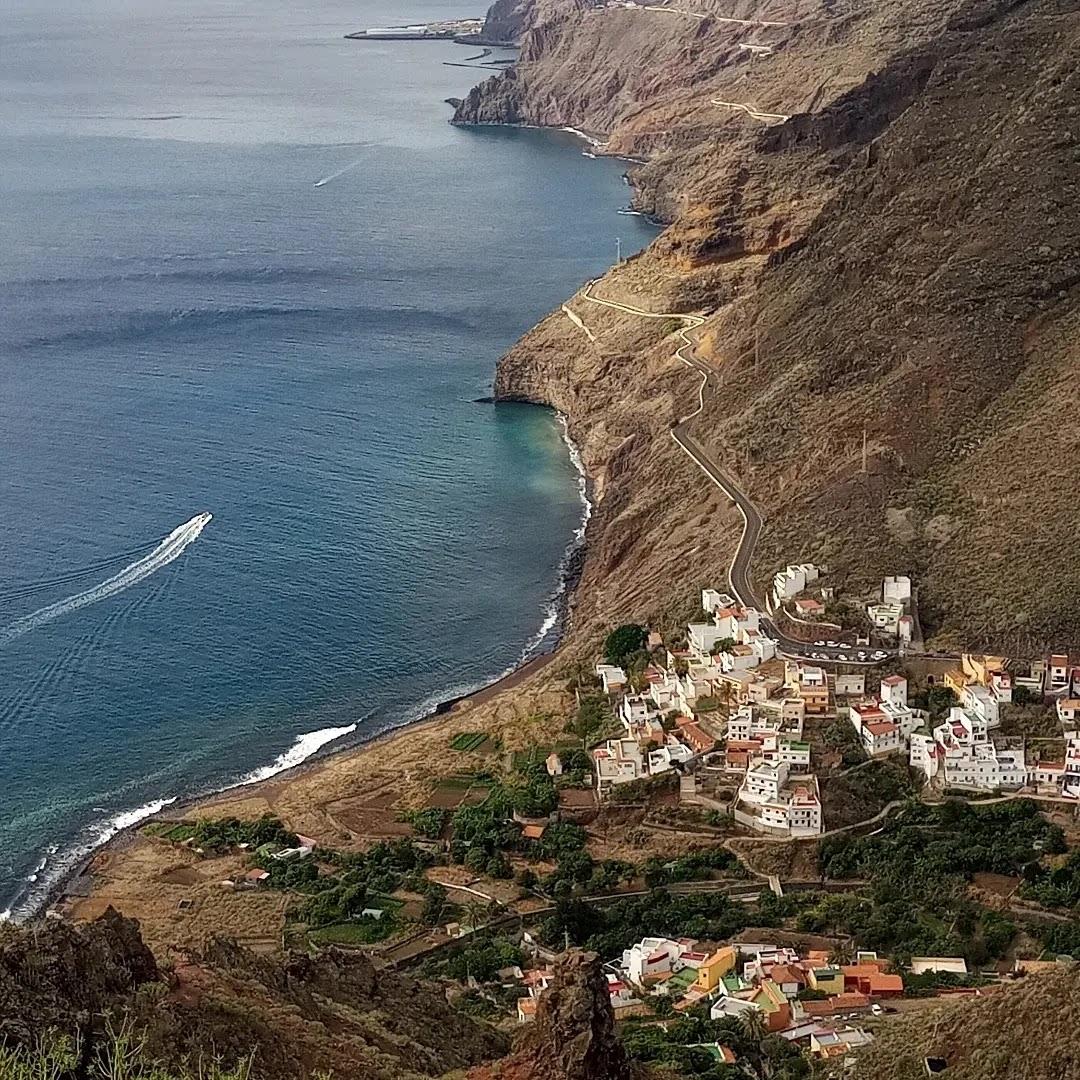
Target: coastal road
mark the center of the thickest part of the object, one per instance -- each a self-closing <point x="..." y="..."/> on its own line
<point x="739" y="582"/>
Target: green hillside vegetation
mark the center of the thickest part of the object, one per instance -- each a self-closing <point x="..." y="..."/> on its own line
<point x="919" y="867"/>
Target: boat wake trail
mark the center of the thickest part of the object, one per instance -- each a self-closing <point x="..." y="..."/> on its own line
<point x="171" y="548"/>
<point x="341" y="172"/>
<point x="74" y="575"/>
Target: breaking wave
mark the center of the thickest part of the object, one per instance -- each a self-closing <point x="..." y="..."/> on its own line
<point x="544" y="639"/>
<point x="49" y="874"/>
<point x="171" y="548"/>
<point x="299" y="752"/>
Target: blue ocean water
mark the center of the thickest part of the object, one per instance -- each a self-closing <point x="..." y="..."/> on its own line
<point x="248" y="269"/>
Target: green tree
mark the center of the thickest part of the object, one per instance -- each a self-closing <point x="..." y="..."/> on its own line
<point x="434" y="905"/>
<point x="591" y="715"/>
<point x="623" y="641"/>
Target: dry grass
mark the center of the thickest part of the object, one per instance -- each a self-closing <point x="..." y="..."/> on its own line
<point x="1023" y="1031"/>
<point x="346" y="802"/>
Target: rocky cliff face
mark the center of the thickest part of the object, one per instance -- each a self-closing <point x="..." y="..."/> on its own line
<point x="56" y="972"/>
<point x="573" y="1037"/>
<point x="900" y="257"/>
<point x="332" y="1013"/>
<point x="511" y="20"/>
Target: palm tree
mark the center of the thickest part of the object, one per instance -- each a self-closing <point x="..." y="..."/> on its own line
<point x="753" y="1029"/>
<point x="752" y="1024"/>
<point x="840" y="955"/>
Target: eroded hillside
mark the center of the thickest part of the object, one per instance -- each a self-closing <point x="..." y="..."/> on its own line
<point x="898" y="260"/>
<point x="294" y="1017"/>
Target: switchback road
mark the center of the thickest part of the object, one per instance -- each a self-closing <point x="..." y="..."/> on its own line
<point x="739" y="572"/>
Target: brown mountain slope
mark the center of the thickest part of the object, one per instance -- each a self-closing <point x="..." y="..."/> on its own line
<point x="906" y="257"/>
<point x="1023" y="1033"/>
<point x="296" y="1016"/>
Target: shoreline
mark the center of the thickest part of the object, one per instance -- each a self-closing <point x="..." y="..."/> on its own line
<point x="62" y="890"/>
<point x="568" y="578"/>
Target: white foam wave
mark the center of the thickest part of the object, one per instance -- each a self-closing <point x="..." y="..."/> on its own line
<point x="591" y="140"/>
<point x="172" y="547"/>
<point x="300" y="751"/>
<point x="92" y="837"/>
<point x="553" y="606"/>
<point x="41" y="884"/>
<point x="583" y="478"/>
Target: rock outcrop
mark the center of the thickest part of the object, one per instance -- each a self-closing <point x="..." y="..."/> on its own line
<point x="511" y="20"/>
<point x="573" y="1037"/>
<point x="57" y="973"/>
<point x="331" y="1013"/>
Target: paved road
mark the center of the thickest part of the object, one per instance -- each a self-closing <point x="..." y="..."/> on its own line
<point x="739" y="581"/>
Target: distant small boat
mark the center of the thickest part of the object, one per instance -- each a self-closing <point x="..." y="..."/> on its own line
<point x="585" y="153"/>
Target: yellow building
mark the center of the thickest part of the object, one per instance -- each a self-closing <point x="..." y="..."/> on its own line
<point x="956" y="680"/>
<point x="829" y="980"/>
<point x="979" y="668"/>
<point x="715" y="968"/>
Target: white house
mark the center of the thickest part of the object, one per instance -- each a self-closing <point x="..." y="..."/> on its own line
<point x="1070" y="780"/>
<point x="611" y="677"/>
<point x="881" y="737"/>
<point x="712" y="601"/>
<point x="650" y="957"/>
<point x="770" y="800"/>
<point x="879" y="733"/>
<point x="925" y="754"/>
<point x="703" y="636"/>
<point x="886" y="616"/>
<point x="730" y="1006"/>
<point x="978" y="700"/>
<point x="984" y="767"/>
<point x="896" y="590"/>
<point x="1068" y="710"/>
<point x="1000" y="685"/>
<point x="734" y="621"/>
<point x="641" y="718"/>
<point x="850" y="685"/>
<point x="956" y="965"/>
<point x="1047" y="774"/>
<point x="792" y="580"/>
<point x="894" y="690"/>
<point x="619" y="993"/>
<point x="618" y="761"/>
<point x="962" y="754"/>
<point x="671" y="753"/>
<point x="1057" y="674"/>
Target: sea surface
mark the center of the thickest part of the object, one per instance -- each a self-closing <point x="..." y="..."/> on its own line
<point x="248" y="270"/>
